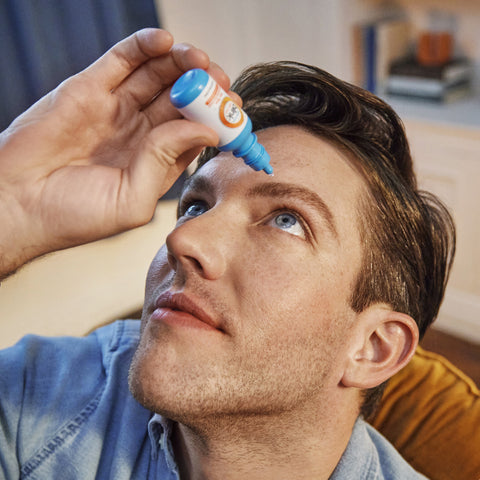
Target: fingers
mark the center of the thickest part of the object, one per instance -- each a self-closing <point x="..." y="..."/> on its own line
<point x="140" y="70"/>
<point x="161" y="109"/>
<point x="159" y="73"/>
<point x="166" y="153"/>
<point x="125" y="57"/>
<point x="186" y="57"/>
<point x="219" y="75"/>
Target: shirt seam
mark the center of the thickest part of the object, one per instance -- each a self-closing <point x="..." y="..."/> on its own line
<point x="65" y="433"/>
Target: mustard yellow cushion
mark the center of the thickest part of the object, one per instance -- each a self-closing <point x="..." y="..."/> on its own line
<point x="431" y="413"/>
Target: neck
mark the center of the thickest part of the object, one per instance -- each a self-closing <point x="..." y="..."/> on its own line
<point x="284" y="446"/>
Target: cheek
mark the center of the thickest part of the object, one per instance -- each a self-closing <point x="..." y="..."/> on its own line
<point x="157" y="271"/>
<point x="287" y="286"/>
<point x="293" y="319"/>
<point x="290" y="272"/>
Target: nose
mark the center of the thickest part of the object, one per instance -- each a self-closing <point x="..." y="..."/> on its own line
<point x="198" y="246"/>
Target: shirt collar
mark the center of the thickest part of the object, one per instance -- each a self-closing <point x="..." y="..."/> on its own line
<point x="358" y="457"/>
<point x="160" y="433"/>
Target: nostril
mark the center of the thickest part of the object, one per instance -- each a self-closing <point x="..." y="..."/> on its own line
<point x="197" y="264"/>
<point x="194" y="263"/>
<point x="173" y="262"/>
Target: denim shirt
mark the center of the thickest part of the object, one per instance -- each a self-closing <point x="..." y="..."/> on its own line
<point x="66" y="412"/>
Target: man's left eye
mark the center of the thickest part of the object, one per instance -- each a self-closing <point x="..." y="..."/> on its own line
<point x="288" y="222"/>
<point x="195" y="209"/>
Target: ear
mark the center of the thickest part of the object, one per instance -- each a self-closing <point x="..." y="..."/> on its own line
<point x="383" y="342"/>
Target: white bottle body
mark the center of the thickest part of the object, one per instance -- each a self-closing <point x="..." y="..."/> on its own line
<point x="215" y="109"/>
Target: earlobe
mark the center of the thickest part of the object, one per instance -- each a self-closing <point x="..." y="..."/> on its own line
<point x="383" y="343"/>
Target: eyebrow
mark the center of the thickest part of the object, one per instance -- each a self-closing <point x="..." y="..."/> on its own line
<point x="197" y="183"/>
<point x="273" y="190"/>
<point x="289" y="190"/>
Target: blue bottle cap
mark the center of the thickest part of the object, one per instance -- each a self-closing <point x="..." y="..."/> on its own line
<point x="188" y="87"/>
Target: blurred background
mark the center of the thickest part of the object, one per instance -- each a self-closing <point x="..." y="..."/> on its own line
<point x="42" y="42"/>
<point x="422" y="56"/>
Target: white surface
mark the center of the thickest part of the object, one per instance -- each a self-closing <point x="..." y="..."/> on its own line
<point x="461" y="113"/>
<point x="72" y="291"/>
<point x="460" y="315"/>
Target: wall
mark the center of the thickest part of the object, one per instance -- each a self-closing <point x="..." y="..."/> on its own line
<point x="236" y="34"/>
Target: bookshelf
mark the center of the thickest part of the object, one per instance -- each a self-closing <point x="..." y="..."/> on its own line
<point x="462" y="18"/>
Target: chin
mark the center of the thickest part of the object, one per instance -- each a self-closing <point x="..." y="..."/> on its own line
<point x="143" y="382"/>
<point x="158" y="391"/>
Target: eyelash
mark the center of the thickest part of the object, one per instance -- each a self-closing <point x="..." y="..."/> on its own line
<point x="187" y="202"/>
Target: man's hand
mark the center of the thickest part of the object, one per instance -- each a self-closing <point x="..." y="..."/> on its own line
<point x="92" y="157"/>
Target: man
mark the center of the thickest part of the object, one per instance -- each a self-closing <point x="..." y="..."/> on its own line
<point x="274" y="312"/>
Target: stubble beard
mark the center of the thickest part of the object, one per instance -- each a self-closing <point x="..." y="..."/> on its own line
<point x="244" y="387"/>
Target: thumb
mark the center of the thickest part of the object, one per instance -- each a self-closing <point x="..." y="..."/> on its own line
<point x="165" y="154"/>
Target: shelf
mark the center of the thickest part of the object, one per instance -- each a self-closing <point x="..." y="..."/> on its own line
<point x="462" y="113"/>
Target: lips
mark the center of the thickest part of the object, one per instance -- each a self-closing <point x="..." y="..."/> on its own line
<point x="180" y="309"/>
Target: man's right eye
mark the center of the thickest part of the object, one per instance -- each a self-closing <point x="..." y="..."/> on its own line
<point x="195" y="208"/>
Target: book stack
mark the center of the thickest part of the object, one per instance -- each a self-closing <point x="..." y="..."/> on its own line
<point x="439" y="83"/>
<point x="375" y="45"/>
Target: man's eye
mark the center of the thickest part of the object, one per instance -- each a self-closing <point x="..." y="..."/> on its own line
<point x="195" y="208"/>
<point x="288" y="222"/>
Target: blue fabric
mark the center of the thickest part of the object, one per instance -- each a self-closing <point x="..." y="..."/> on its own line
<point x="44" y="42"/>
<point x="369" y="456"/>
<point x="66" y="412"/>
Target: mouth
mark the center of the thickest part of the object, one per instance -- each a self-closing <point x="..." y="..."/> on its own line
<point x="177" y="309"/>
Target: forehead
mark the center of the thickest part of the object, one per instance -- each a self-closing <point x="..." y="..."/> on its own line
<point x="315" y="162"/>
<point x="298" y="158"/>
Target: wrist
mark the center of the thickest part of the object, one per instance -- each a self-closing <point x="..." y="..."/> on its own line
<point x="18" y="242"/>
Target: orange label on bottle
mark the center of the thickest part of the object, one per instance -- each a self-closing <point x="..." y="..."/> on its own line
<point x="231" y="114"/>
<point x="216" y="92"/>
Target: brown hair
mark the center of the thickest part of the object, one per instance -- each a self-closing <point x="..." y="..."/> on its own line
<point x="408" y="235"/>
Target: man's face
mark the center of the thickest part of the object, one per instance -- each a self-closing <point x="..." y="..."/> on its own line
<point x="247" y="306"/>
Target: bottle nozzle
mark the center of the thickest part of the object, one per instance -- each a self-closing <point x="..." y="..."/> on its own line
<point x="255" y="155"/>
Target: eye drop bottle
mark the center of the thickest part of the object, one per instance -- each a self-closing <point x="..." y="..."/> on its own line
<point x="199" y="98"/>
